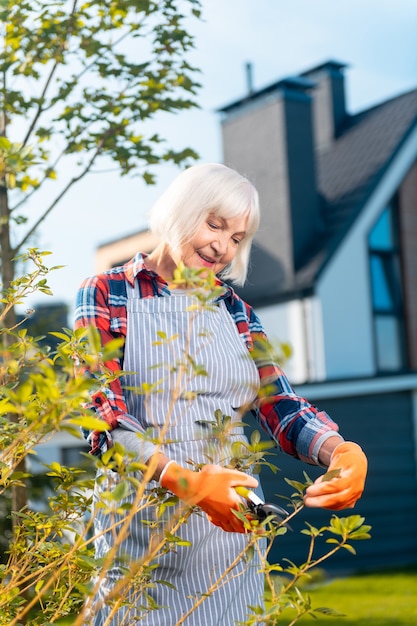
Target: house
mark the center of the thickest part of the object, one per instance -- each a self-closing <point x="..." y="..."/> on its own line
<point x="333" y="273"/>
<point x="62" y="448"/>
<point x="43" y="320"/>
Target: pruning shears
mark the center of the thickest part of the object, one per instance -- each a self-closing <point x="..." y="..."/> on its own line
<point x="262" y="509"/>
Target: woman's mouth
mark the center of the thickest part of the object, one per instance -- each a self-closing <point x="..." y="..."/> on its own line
<point x="207" y="261"/>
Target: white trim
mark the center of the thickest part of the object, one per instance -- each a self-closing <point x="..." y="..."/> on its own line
<point x="338" y="389"/>
<point x="384" y="191"/>
<point x="414" y="420"/>
<point x="314" y="339"/>
<point x="351" y="353"/>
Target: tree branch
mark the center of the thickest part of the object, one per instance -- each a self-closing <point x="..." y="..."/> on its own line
<point x="40" y="108"/>
<point x="30" y="193"/>
<point x="59" y="197"/>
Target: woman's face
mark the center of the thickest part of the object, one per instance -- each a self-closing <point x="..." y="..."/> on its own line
<point x="215" y="244"/>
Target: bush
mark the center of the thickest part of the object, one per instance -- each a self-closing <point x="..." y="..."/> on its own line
<point x="49" y="568"/>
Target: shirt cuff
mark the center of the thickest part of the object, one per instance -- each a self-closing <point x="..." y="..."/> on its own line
<point x="319" y="442"/>
<point x="133" y="442"/>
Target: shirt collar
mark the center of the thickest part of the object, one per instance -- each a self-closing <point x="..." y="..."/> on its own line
<point x="136" y="266"/>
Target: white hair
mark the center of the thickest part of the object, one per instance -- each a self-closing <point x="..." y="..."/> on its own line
<point x="203" y="190"/>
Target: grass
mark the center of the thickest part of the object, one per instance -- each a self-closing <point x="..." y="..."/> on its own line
<point x="386" y="598"/>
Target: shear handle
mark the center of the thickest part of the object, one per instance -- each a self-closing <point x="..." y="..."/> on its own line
<point x="261" y="509"/>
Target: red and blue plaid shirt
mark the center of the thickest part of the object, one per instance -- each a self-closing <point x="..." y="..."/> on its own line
<point x="297" y="426"/>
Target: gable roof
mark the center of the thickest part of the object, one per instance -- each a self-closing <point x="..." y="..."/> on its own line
<point x="347" y="174"/>
<point x="350" y="170"/>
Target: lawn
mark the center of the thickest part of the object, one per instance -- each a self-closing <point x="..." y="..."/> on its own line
<point x="387" y="598"/>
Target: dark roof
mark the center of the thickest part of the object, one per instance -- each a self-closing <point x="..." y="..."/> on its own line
<point x="350" y="169"/>
<point x="331" y="64"/>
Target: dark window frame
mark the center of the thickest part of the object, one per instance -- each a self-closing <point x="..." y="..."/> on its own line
<point x="390" y="261"/>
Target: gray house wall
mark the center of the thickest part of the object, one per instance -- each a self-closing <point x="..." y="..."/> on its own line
<point x="268" y="136"/>
<point x="383" y="424"/>
<point x="278" y="124"/>
<point x="246" y="139"/>
<point x="329" y="106"/>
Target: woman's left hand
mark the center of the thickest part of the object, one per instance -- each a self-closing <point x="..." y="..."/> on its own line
<point x="345" y="488"/>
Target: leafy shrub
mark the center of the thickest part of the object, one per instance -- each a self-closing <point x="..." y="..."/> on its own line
<point x="49" y="568"/>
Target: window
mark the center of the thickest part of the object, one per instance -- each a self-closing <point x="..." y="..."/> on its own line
<point x="72" y="457"/>
<point x="387" y="304"/>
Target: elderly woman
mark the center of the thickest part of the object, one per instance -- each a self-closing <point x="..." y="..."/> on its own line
<point x="205" y="220"/>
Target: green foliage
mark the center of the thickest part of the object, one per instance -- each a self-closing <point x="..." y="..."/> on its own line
<point x="49" y="568"/>
<point x="89" y="75"/>
<point x="83" y="84"/>
<point x="15" y="159"/>
<point x="381" y="598"/>
<point x="27" y="284"/>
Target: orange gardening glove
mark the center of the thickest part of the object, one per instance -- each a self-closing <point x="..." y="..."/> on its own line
<point x="342" y="491"/>
<point x="212" y="490"/>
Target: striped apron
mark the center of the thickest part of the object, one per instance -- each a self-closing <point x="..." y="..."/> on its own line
<point x="232" y="380"/>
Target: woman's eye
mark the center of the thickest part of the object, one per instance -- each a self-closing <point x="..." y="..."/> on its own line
<point x="213" y="226"/>
<point x="237" y="241"/>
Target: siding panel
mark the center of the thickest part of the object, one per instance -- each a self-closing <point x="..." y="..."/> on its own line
<point x="383" y="425"/>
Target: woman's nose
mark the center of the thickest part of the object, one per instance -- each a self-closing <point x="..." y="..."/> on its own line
<point x="220" y="244"/>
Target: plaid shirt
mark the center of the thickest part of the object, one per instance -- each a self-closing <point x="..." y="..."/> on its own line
<point x="298" y="427"/>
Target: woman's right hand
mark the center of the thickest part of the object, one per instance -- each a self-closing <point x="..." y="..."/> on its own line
<point x="212" y="489"/>
<point x="343" y="490"/>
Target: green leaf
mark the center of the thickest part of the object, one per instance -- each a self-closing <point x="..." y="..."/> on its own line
<point x="360" y="534"/>
<point x="296" y="485"/>
<point x="327" y="611"/>
<point x="121" y="491"/>
<point x="349" y="548"/>
<point x="18" y="476"/>
<point x="250" y="553"/>
<point x="4" y="143"/>
<point x="255" y="437"/>
<point x="335" y="473"/>
<point x="65" y="621"/>
<point x="89" y="423"/>
<point x="62" y="336"/>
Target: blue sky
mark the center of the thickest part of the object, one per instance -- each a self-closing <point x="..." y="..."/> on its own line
<point x="377" y="39"/>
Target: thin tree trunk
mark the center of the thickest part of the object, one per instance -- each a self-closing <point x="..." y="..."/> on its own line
<point x="7" y="253"/>
<point x="19" y="495"/>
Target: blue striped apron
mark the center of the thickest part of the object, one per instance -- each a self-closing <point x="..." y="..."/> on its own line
<point x="231" y="382"/>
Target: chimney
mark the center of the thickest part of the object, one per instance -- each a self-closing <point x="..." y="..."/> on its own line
<point x="249" y="78"/>
<point x="268" y="136"/>
<point x="329" y="106"/>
